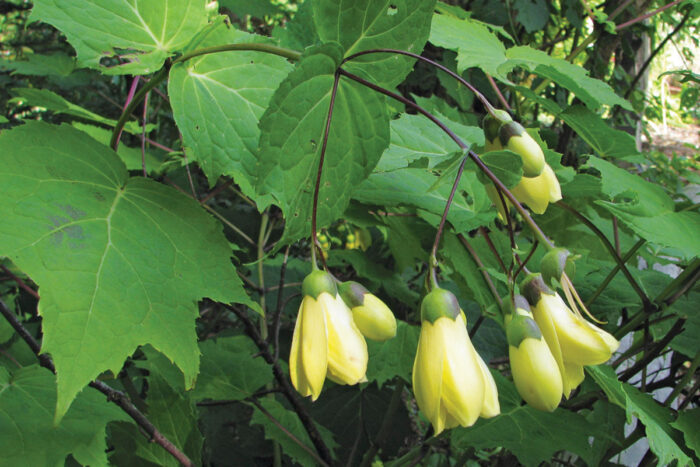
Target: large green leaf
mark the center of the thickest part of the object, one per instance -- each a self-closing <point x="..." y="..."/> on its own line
<point x="141" y="33"/>
<point x="217" y="100"/>
<point x="532" y="435"/>
<point x="120" y="262"/>
<point x="648" y="210"/>
<point x="27" y="432"/>
<point x="477" y="46"/>
<point x="604" y="140"/>
<point x="174" y="414"/>
<point x="591" y="91"/>
<point x="414" y="137"/>
<point x="230" y="371"/>
<point x="412" y="187"/>
<point x="474" y="43"/>
<point x="359" y="25"/>
<point x="663" y="439"/>
<point x="292" y="134"/>
<point x="393" y="357"/>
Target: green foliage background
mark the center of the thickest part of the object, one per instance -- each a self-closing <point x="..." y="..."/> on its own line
<point x="169" y="269"/>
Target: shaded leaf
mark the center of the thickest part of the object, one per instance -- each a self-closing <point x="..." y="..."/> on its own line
<point x="174" y="414"/>
<point x="604" y="140"/>
<point x="230" y="370"/>
<point x="29" y="437"/>
<point x="393" y="357"/>
<point x="55" y="103"/>
<point x="291" y="423"/>
<point x="532" y="435"/>
<point x="655" y="417"/>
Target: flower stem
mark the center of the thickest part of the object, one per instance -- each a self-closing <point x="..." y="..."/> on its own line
<point x="611" y="249"/>
<point x="526" y="217"/>
<point x="465" y="83"/>
<point x="314" y="210"/>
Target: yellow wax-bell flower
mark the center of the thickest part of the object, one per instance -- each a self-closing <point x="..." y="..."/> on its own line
<point x="326" y="341"/>
<point x="535" y="192"/>
<point x="448" y="380"/>
<point x="513" y="137"/>
<point x="347" y="349"/>
<point x="491" y="406"/>
<point x="573" y="340"/>
<point x="535" y="371"/>
<point x="371" y="315"/>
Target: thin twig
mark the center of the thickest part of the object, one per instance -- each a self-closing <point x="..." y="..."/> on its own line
<point x="611" y="249"/>
<point x="113" y="395"/>
<point x="487" y="238"/>
<point x="626" y="24"/>
<point x="287" y="389"/>
<point x="20" y="282"/>
<point x="482" y="268"/>
<point x="143" y="134"/>
<point x="289" y="434"/>
<point x="278" y="309"/>
<point x="612" y="273"/>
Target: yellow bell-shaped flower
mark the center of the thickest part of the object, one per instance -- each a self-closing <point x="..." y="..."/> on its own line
<point x="537" y="192"/>
<point x="535" y="371"/>
<point x="326" y="341"/>
<point x="347" y="349"/>
<point x="513" y="137"/>
<point x="448" y="379"/>
<point x="574" y="342"/>
<point x="371" y="315"/>
<point x="581" y="342"/>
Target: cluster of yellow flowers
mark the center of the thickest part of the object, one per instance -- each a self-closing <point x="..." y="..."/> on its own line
<point x="539" y="185"/>
<point x="452" y="384"/>
<point x="549" y="344"/>
<point x="329" y="335"/>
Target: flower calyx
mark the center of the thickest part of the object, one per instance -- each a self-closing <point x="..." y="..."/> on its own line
<point x="317" y="282"/>
<point x="438" y="303"/>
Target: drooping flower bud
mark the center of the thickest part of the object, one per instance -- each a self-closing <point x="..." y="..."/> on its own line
<point x="555" y="263"/>
<point x="535" y="371"/>
<point x="448" y="378"/>
<point x="371" y="315"/>
<point x="514" y="138"/>
<point x="326" y="341"/>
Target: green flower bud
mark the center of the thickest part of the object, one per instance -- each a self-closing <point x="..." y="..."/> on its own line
<point x="514" y="138"/>
<point x="556" y="262"/>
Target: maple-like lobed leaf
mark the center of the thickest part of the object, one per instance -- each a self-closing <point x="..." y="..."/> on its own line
<point x="120" y="262"/>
